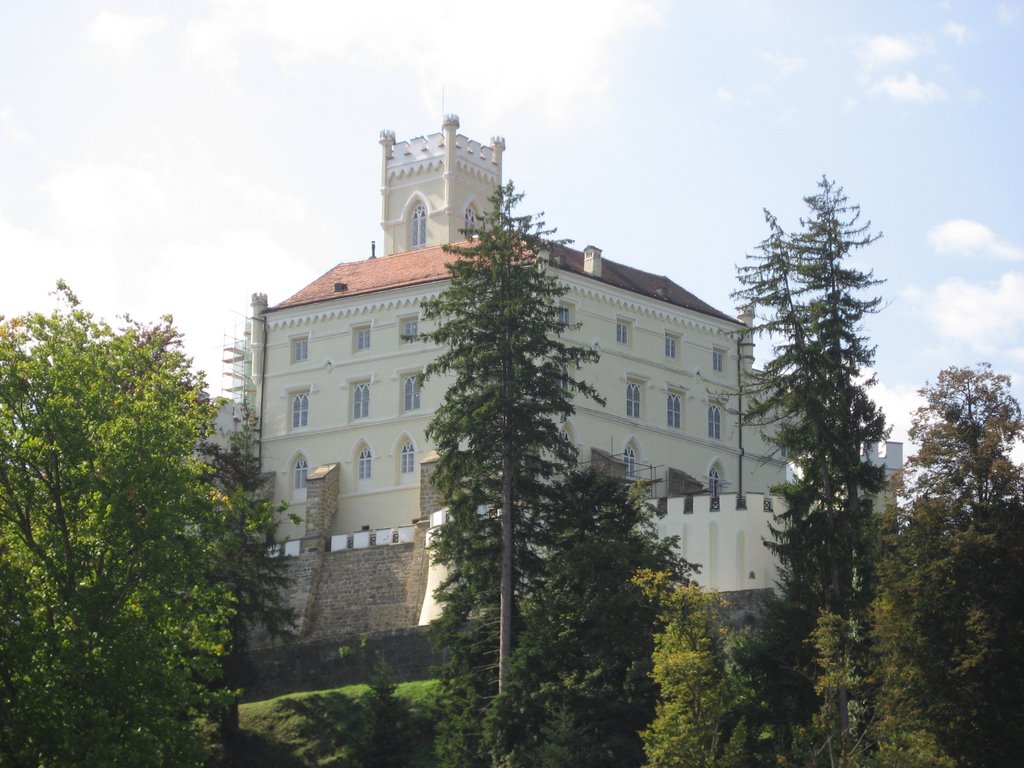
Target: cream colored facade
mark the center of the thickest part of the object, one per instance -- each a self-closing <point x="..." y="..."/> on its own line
<point x="333" y="364"/>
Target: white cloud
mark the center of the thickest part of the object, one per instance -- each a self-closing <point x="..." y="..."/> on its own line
<point x="533" y="62"/>
<point x="956" y="32"/>
<point x="986" y="317"/>
<point x="964" y="237"/>
<point x="124" y="35"/>
<point x="898" y="403"/>
<point x="724" y="95"/>
<point x="909" y="88"/>
<point x="1007" y="14"/>
<point x="109" y="197"/>
<point x="882" y="50"/>
<point x="10" y="128"/>
<point x="196" y="280"/>
<point x="784" y="65"/>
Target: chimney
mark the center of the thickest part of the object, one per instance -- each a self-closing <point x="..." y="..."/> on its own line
<point x="592" y="260"/>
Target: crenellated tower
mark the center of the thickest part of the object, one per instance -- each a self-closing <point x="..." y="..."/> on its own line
<point x="434" y="187"/>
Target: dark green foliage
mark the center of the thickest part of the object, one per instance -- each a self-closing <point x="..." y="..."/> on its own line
<point x="388" y="739"/>
<point x="497" y="434"/>
<point x="949" y="618"/>
<point x="499" y="328"/>
<point x="813" y="309"/>
<point x="108" y="634"/>
<point x="349" y="727"/>
<point x="581" y="688"/>
<point x="239" y="553"/>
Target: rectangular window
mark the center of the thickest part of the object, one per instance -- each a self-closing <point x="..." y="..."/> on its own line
<point x="563" y="377"/>
<point x="409" y="329"/>
<point x="717" y="360"/>
<point x="300" y="410"/>
<point x="410" y="393"/>
<point x="300" y="349"/>
<point x="633" y="400"/>
<point x="714" y="422"/>
<point x="622" y="331"/>
<point x="360" y="401"/>
<point x="671" y="343"/>
<point x="673" y="410"/>
<point x="564" y="314"/>
<point x="361" y="336"/>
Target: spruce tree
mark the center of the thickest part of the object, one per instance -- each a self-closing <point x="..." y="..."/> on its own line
<point x="815" y="394"/>
<point x="510" y="380"/>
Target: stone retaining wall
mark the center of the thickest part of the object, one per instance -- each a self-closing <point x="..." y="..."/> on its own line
<point x="324" y="664"/>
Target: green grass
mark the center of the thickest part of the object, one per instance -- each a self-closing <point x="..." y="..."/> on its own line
<point x="324" y="728"/>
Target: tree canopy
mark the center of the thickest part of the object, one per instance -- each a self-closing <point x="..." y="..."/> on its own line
<point x="949" y="617"/>
<point x="815" y="393"/>
<point x="107" y="637"/>
<point x="510" y="383"/>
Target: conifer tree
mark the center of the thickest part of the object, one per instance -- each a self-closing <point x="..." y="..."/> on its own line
<point x="241" y="556"/>
<point x="584" y="654"/>
<point x="815" y="394"/>
<point x="510" y="383"/>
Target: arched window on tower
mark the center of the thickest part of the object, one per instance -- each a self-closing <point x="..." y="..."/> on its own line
<point x="470" y="220"/>
<point x="418" y="228"/>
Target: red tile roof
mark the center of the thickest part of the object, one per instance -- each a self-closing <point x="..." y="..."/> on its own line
<point x="428" y="265"/>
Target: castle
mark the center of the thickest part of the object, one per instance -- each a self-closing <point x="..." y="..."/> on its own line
<point x="333" y="369"/>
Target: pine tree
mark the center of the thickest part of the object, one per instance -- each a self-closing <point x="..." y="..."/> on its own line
<point x="815" y="395"/>
<point x="511" y="381"/>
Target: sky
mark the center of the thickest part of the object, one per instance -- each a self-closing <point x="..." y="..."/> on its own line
<point x="175" y="157"/>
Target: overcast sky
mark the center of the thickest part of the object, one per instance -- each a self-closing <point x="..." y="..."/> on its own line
<point x="174" y="157"/>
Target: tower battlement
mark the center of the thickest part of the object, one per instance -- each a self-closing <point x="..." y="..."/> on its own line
<point x="449" y="175"/>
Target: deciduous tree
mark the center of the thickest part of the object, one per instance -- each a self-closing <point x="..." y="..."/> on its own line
<point x="949" y="617"/>
<point x="697" y="722"/>
<point x="109" y="634"/>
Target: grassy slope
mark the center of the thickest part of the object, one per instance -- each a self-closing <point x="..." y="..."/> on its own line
<point x="319" y="728"/>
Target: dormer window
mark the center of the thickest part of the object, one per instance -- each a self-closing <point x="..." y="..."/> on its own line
<point x="418" y="230"/>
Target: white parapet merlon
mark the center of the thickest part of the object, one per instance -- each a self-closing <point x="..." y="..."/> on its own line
<point x="360" y="540"/>
<point x="292" y="548"/>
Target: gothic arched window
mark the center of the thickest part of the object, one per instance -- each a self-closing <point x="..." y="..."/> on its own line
<point x="418" y="229"/>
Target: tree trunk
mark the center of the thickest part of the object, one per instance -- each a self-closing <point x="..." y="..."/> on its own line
<point x="505" y="618"/>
